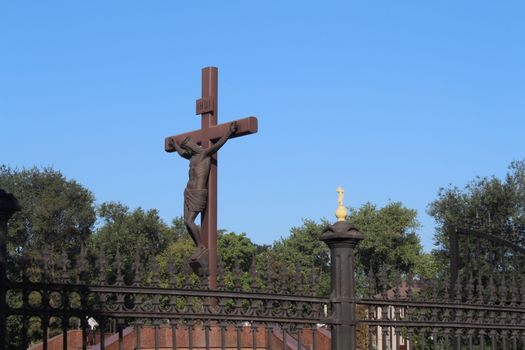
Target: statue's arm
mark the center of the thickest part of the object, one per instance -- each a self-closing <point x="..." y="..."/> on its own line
<point x="217" y="145"/>
<point x="180" y="150"/>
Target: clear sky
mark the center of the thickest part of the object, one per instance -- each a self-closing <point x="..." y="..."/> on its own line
<point x="389" y="99"/>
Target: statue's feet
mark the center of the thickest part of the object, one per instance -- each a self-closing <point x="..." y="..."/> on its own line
<point x="199" y="261"/>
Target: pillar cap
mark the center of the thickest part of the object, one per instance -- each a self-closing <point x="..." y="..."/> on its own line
<point x="341" y="230"/>
<point x="8" y="202"/>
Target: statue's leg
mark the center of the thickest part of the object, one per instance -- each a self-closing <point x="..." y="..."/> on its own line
<point x="193" y="230"/>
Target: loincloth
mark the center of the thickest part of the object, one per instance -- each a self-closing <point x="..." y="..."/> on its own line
<point x="195" y="199"/>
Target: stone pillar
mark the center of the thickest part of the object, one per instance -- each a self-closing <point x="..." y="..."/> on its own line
<point x="8" y="206"/>
<point x="342" y="238"/>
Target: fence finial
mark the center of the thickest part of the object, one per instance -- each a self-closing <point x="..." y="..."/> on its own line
<point x="341" y="212"/>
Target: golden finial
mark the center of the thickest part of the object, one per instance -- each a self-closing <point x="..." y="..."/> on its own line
<point x="340" y="213"/>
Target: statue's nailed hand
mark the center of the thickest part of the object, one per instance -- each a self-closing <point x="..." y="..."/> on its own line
<point x="185" y="141"/>
<point x="233" y="127"/>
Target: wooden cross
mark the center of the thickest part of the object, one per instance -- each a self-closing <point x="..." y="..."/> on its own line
<point x="209" y="133"/>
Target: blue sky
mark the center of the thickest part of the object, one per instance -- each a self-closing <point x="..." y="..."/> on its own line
<point x="389" y="99"/>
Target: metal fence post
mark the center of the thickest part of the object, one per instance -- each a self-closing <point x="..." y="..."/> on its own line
<point x="454" y="255"/>
<point x="8" y="206"/>
<point x="342" y="238"/>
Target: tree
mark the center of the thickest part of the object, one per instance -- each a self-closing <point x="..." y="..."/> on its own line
<point x="491" y="202"/>
<point x="178" y="250"/>
<point x="391" y="240"/>
<point x="303" y="249"/>
<point x="137" y="232"/>
<point x="235" y="249"/>
<point x="55" y="211"/>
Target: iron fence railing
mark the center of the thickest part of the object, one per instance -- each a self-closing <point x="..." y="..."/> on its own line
<point x="476" y="314"/>
<point x="87" y="300"/>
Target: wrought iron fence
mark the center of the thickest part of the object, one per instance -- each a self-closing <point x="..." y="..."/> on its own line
<point x="51" y="295"/>
<point x="477" y="313"/>
<point x="54" y="297"/>
<point x="478" y="304"/>
<point x="487" y="247"/>
<point x="85" y="300"/>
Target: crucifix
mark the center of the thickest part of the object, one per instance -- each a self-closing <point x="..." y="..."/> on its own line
<point x="200" y="196"/>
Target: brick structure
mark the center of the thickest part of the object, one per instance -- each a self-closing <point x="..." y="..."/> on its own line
<point x="165" y="337"/>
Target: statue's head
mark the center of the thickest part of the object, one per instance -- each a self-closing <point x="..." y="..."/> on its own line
<point x="191" y="146"/>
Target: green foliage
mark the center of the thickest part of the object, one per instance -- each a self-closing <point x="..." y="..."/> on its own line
<point x="484" y="197"/>
<point x="55" y="211"/>
<point x="362" y="331"/>
<point x="499" y="201"/>
<point x="132" y="232"/>
<point x="390" y="241"/>
<point x="391" y="238"/>
<point x="235" y="249"/>
<point x="179" y="252"/>
<point x="427" y="266"/>
<point x="303" y="248"/>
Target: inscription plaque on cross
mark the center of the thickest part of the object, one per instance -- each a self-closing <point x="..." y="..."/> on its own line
<point x="200" y="147"/>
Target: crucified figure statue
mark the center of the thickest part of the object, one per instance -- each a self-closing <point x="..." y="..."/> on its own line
<point x="196" y="192"/>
